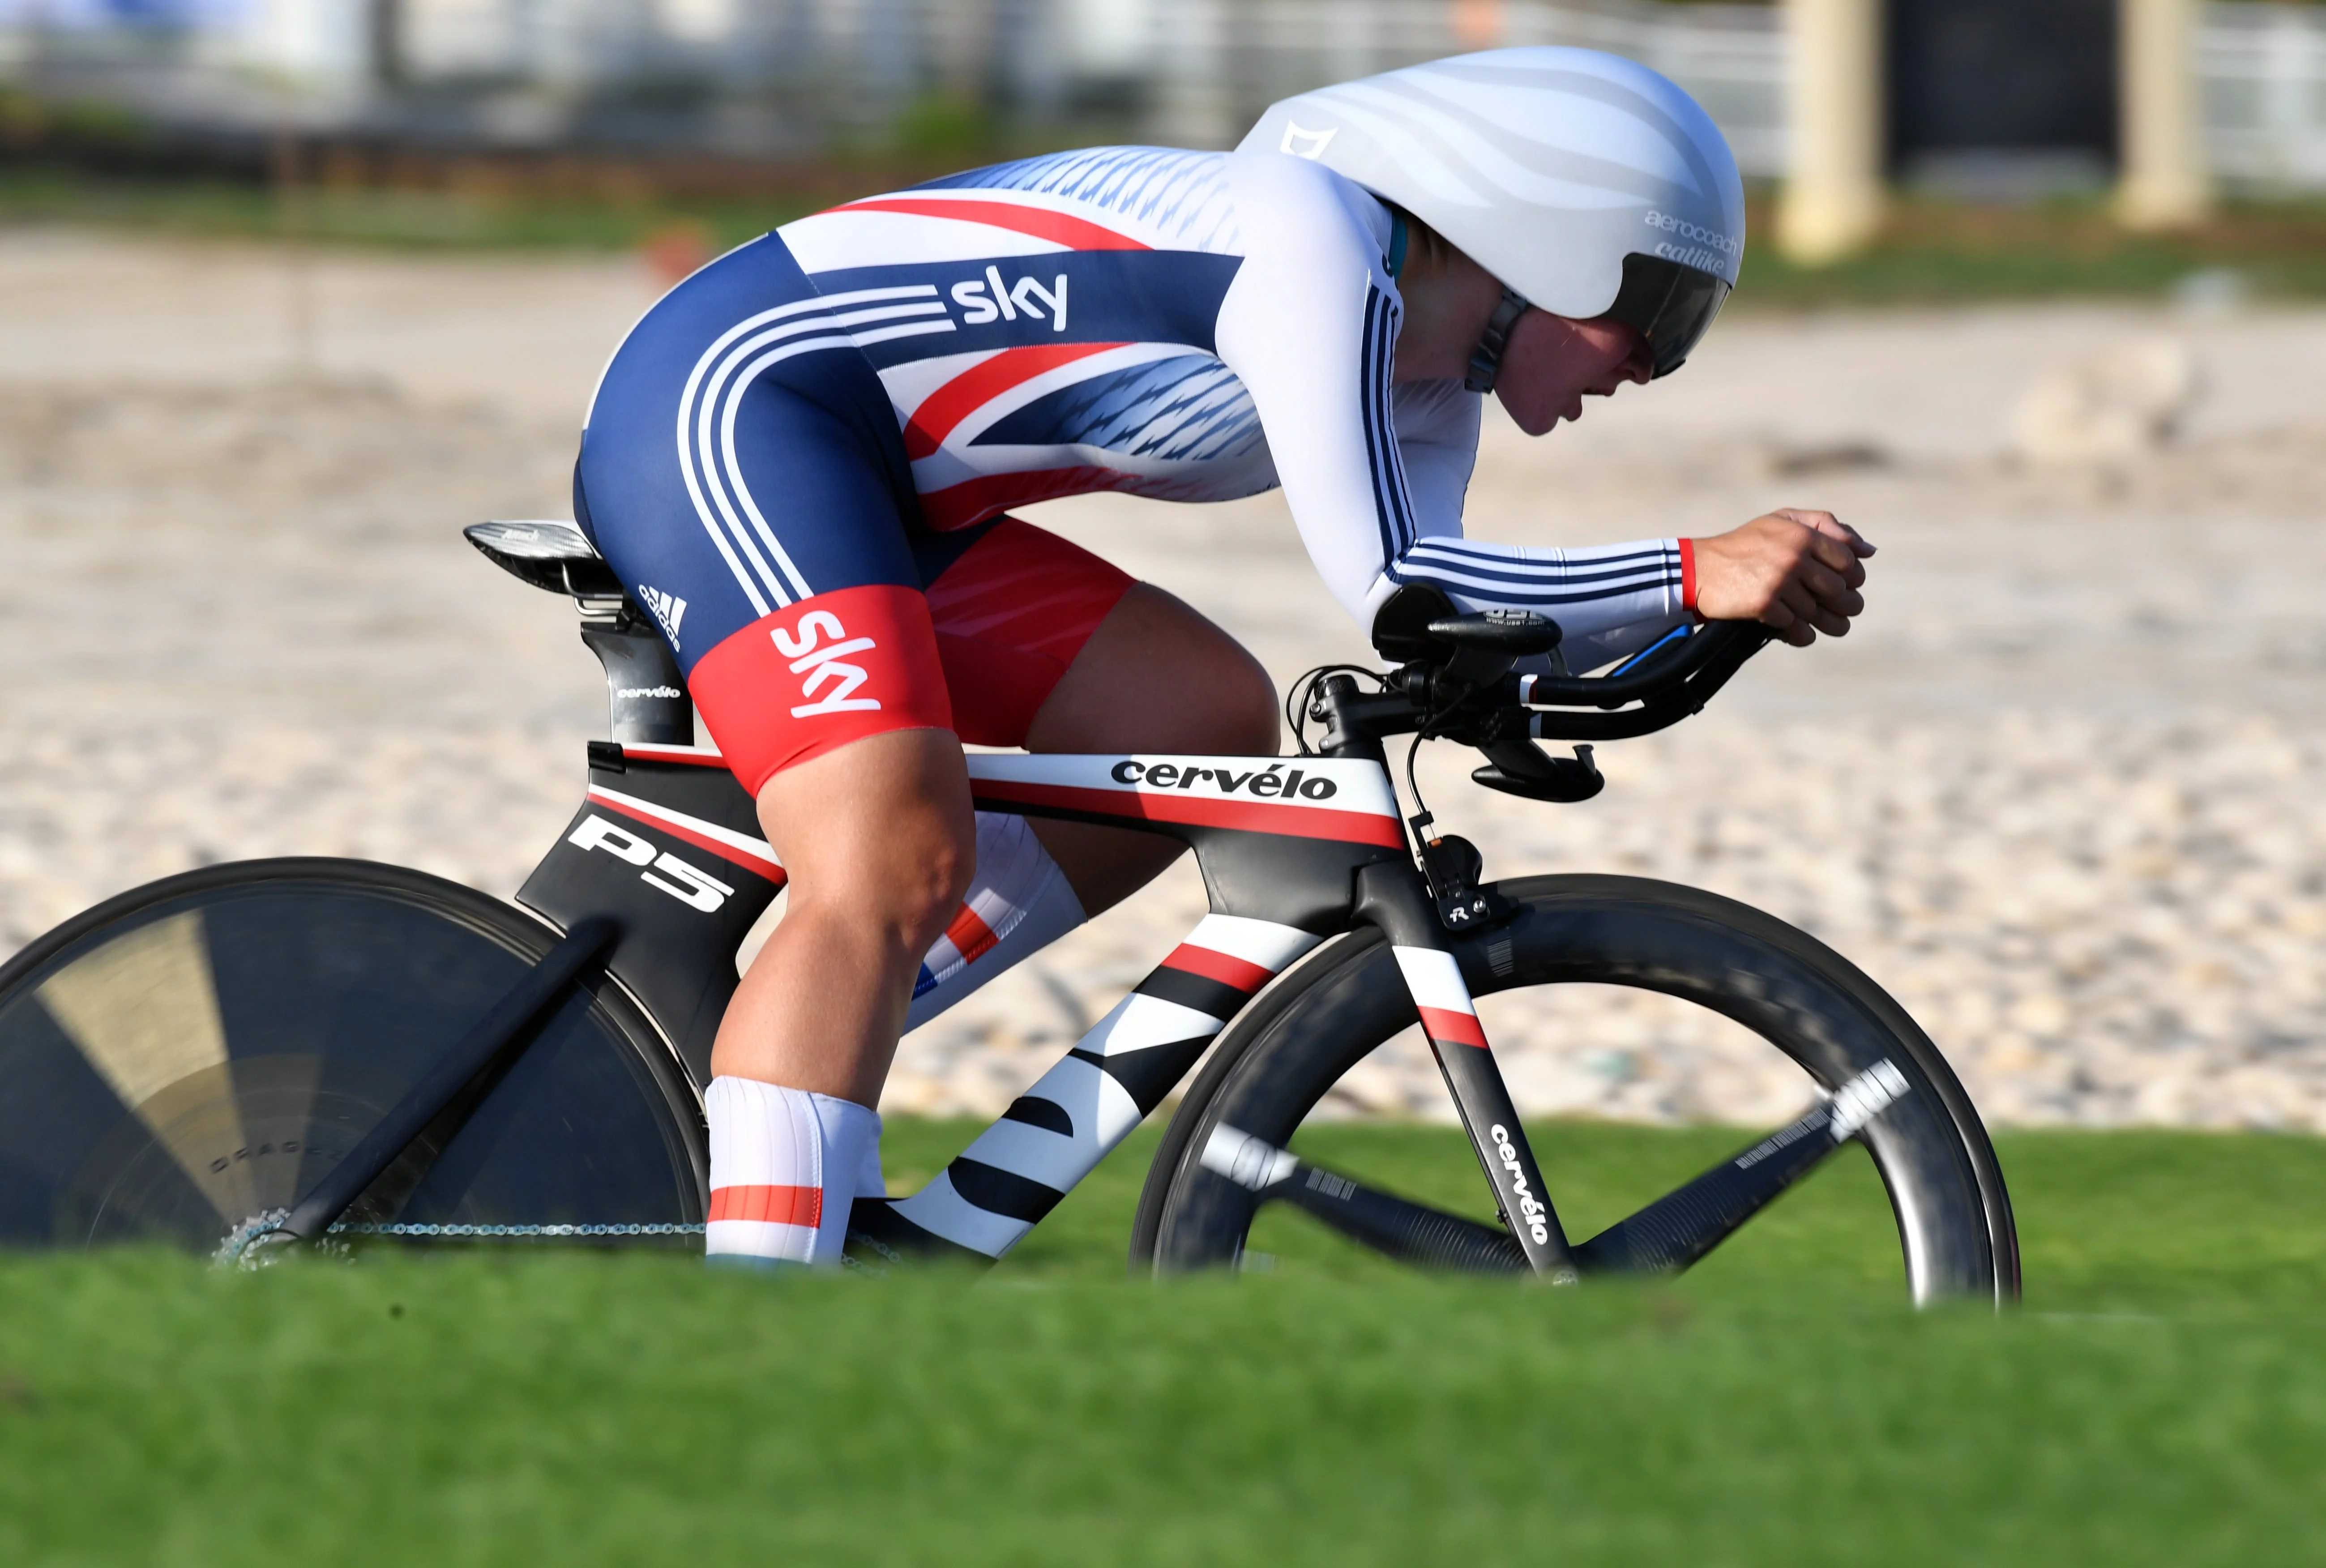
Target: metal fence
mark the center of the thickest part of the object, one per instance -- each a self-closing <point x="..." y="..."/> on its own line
<point x="775" y="75"/>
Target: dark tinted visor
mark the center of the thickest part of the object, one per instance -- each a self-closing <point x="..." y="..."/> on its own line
<point x="1669" y="304"/>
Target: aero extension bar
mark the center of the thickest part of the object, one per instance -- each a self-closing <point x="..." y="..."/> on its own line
<point x="1658" y="674"/>
<point x="1668" y="687"/>
<point x="1667" y="684"/>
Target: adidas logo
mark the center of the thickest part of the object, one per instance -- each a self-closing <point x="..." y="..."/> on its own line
<point x="668" y="608"/>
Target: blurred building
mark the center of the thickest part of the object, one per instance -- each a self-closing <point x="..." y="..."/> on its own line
<point x="786" y="76"/>
<point x="1950" y="90"/>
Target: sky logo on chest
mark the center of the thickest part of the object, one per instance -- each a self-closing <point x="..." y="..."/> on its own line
<point x="1026" y="297"/>
<point x="1070" y="296"/>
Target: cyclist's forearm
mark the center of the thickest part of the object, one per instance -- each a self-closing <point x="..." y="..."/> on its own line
<point x="1609" y="599"/>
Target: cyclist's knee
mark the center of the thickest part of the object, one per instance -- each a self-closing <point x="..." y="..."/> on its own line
<point x="1157" y="676"/>
<point x="1239" y="714"/>
<point x="901" y="890"/>
<point x="931" y="865"/>
<point x="1249" y="716"/>
<point x="879" y="837"/>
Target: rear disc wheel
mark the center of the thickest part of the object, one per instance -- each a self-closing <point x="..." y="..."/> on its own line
<point x="197" y="1052"/>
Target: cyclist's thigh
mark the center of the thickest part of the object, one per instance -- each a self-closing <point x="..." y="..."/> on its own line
<point x="1158" y="676"/>
<point x="1049" y="647"/>
<point x="743" y="474"/>
<point x="1014" y="606"/>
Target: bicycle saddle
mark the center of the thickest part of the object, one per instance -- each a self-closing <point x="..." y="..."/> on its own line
<point x="550" y="555"/>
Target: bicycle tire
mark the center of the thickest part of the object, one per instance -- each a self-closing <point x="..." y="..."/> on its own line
<point x="1278" y="1058"/>
<point x="200" y="1050"/>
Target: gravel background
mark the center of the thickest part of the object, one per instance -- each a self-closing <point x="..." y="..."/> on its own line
<point x="2061" y="794"/>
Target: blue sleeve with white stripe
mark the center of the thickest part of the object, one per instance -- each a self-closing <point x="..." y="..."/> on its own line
<point x="1375" y="475"/>
<point x="1610" y="600"/>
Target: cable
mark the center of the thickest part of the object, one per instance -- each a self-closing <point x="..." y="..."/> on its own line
<point x="1297" y="698"/>
<point x="1421" y="815"/>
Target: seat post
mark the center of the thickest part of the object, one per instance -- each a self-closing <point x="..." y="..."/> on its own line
<point x="645" y="692"/>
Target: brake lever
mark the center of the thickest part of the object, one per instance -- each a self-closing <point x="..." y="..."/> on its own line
<point x="1521" y="768"/>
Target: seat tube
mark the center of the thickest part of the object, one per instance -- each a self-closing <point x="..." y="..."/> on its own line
<point x="1393" y="897"/>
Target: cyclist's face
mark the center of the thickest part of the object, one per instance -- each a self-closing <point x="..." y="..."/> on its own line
<point x="1552" y="364"/>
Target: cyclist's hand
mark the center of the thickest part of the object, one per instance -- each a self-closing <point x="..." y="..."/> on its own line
<point x="1798" y="572"/>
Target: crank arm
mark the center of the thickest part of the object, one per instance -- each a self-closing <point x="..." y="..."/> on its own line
<point x="1679" y="1228"/>
<point x="1392" y="1226"/>
<point x="879" y="1239"/>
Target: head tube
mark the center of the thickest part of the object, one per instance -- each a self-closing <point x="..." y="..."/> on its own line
<point x="1669" y="304"/>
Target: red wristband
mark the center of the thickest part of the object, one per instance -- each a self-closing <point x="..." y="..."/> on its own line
<point x="1687" y="574"/>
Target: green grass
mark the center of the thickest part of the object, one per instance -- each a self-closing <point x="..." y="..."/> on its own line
<point x="408" y="219"/>
<point x="1935" y="250"/>
<point x="2160" y="1399"/>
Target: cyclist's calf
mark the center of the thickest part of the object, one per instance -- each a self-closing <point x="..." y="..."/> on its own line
<point x="881" y="842"/>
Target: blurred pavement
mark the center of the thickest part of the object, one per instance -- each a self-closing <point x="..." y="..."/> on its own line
<point x="2064" y="791"/>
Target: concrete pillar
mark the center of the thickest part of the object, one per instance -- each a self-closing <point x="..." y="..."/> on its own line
<point x="1832" y="201"/>
<point x="2166" y="183"/>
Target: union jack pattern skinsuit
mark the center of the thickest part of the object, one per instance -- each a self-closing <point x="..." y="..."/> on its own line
<point x="802" y="458"/>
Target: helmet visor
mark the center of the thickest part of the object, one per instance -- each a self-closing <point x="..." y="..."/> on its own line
<point x="1669" y="304"/>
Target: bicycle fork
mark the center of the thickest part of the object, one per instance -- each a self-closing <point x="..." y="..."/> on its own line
<point x="1392" y="898"/>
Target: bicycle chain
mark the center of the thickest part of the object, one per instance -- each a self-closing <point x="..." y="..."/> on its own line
<point x="535" y="1231"/>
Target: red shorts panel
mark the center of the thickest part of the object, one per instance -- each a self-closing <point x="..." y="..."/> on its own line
<point x="1011" y="615"/>
<point x="818" y="674"/>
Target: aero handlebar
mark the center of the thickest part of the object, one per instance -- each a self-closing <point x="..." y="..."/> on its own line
<point x="1428" y="694"/>
<point x="1657" y="674"/>
<point x="1668" y="686"/>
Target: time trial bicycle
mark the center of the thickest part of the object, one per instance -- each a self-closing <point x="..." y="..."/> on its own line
<point x="280" y="1053"/>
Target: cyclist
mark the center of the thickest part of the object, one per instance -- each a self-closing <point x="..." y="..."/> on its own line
<point x="802" y="461"/>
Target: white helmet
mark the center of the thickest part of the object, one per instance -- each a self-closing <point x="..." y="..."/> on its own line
<point x="1587" y="184"/>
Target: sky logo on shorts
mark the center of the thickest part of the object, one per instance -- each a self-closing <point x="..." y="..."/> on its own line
<point x="822" y="662"/>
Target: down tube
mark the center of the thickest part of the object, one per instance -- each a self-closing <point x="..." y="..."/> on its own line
<point x="1052" y="1135"/>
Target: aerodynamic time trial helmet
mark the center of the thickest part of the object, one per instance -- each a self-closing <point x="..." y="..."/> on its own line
<point x="1586" y="184"/>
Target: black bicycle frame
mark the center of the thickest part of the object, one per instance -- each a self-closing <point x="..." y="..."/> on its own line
<point x="661" y="873"/>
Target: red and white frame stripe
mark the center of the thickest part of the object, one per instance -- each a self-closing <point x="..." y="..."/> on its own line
<point x="1232" y="956"/>
<point x="690" y="756"/>
<point x="753" y="855"/>
<point x="1302" y="797"/>
<point x="1448" y="1016"/>
<point x="1231" y="949"/>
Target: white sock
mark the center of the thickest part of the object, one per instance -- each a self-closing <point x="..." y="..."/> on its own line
<point x="785" y="1165"/>
<point x="1019" y="903"/>
<point x="869" y="1182"/>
